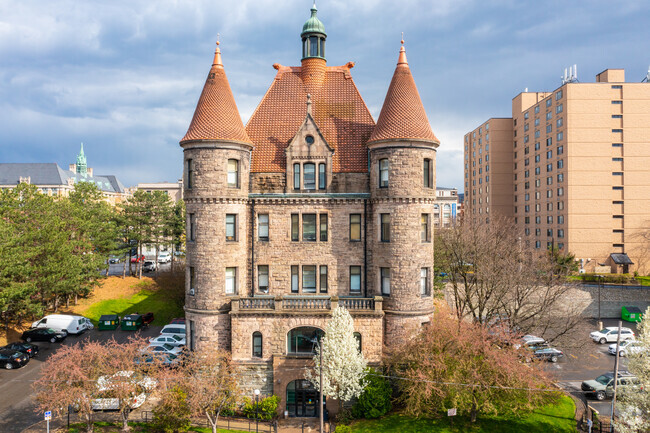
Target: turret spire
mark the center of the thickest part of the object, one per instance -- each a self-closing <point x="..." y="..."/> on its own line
<point x="82" y="167"/>
<point x="217" y="54"/>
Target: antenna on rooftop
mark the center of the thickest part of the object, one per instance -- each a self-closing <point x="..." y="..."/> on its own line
<point x="571" y="76"/>
<point x="647" y="76"/>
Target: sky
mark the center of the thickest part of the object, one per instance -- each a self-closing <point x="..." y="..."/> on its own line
<point x="124" y="76"/>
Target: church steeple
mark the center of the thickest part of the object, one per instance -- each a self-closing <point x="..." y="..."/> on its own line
<point x="313" y="37"/>
<point x="82" y="167"/>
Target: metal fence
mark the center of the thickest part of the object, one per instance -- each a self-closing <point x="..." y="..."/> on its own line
<point x="229" y="423"/>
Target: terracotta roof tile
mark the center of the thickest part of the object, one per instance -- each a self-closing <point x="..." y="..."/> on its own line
<point x="216" y="116"/>
<point x="402" y="115"/>
<point x="338" y="109"/>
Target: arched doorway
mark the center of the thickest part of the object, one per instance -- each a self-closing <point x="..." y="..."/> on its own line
<point x="302" y="399"/>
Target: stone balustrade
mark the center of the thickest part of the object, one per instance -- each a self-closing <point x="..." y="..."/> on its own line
<point x="320" y="303"/>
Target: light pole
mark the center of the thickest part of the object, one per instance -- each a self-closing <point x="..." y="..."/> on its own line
<point x="257" y="405"/>
<point x="600" y="322"/>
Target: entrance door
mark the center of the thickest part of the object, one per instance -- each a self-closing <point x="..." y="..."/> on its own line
<point x="302" y="399"/>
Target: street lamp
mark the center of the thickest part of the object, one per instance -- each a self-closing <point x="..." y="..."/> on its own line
<point x="257" y="405"/>
<point x="600" y="322"/>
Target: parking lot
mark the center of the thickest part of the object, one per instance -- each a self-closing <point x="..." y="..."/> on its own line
<point x="117" y="269"/>
<point x="17" y="404"/>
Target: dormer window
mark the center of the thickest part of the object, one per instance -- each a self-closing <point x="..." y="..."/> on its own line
<point x="310" y="175"/>
<point x="322" y="176"/>
<point x="296" y="176"/>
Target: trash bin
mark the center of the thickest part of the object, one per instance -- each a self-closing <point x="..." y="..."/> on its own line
<point x="631" y="314"/>
<point x="108" y="322"/>
<point x="132" y="322"/>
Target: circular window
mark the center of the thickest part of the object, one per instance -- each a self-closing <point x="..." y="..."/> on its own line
<point x="309" y="139"/>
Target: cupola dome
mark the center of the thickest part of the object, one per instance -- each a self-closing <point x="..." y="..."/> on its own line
<point x="313" y="36"/>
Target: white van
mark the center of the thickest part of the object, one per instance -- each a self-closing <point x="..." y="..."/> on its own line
<point x="64" y="323"/>
<point x="173" y="329"/>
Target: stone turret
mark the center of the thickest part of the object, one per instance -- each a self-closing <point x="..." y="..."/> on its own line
<point x="216" y="167"/>
<point x="402" y="151"/>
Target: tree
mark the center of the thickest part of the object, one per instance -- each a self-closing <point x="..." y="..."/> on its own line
<point x="493" y="277"/>
<point x="376" y="399"/>
<point x="211" y="383"/>
<point x="454" y="363"/>
<point x="173" y="412"/>
<point x="563" y="263"/>
<point x="633" y="406"/>
<point x="343" y="363"/>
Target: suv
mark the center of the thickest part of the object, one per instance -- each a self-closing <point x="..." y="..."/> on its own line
<point x="164" y="258"/>
<point x="626" y="347"/>
<point x="603" y="386"/>
<point x="149" y="266"/>
<point x="609" y="335"/>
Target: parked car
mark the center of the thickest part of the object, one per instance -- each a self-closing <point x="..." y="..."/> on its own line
<point x="43" y="334"/>
<point x="113" y="260"/>
<point x="609" y="335"/>
<point x="173" y="329"/>
<point x="28" y="349"/>
<point x="627" y="346"/>
<point x="165" y="348"/>
<point x="603" y="386"/>
<point x="164" y="257"/>
<point x="530" y="342"/>
<point x="149" y="266"/>
<point x="64" y="323"/>
<point x="12" y="359"/>
<point x="172" y="340"/>
<point x="177" y="320"/>
<point x="549" y="354"/>
<point x="137" y="258"/>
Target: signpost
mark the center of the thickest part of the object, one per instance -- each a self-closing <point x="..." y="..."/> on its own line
<point x="48" y="417"/>
<point x="451" y="413"/>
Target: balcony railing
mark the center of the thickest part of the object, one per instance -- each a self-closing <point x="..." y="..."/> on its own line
<point x="306" y="303"/>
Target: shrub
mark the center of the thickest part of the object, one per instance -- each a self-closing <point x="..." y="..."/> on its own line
<point x="375" y="401"/>
<point x="609" y="278"/>
<point x="341" y="428"/>
<point x="172" y="415"/>
<point x="266" y="410"/>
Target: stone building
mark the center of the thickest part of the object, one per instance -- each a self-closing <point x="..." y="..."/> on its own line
<point x="310" y="206"/>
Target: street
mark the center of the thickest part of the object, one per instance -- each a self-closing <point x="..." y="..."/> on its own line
<point x="17" y="405"/>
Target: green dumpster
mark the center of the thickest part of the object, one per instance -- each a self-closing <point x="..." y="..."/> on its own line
<point x="108" y="322"/>
<point x="632" y="314"/>
<point x="132" y="322"/>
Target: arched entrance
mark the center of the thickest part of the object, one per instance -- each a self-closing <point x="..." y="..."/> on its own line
<point x="302" y="399"/>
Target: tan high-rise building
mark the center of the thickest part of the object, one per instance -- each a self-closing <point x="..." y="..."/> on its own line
<point x="580" y="176"/>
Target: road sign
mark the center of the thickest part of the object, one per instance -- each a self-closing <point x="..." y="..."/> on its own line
<point x="451" y="412"/>
<point x="48" y="415"/>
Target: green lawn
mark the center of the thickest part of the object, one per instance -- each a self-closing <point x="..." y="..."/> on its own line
<point x="556" y="418"/>
<point x="164" y="303"/>
<point x="136" y="427"/>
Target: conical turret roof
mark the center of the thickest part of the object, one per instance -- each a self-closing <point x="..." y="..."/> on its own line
<point x="402" y="116"/>
<point x="216" y="116"/>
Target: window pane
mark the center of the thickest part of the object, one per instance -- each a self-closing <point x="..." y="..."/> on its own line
<point x="295" y="227"/>
<point x="257" y="344"/>
<point x="310" y="176"/>
<point x="313" y="46"/>
<point x="322" y="177"/>
<point x="355" y="227"/>
<point x="303" y="340"/>
<point x="231" y="232"/>
<point x="296" y="176"/>
<point x="383" y="173"/>
<point x="355" y="279"/>
<point x="233" y="171"/>
<point x="190" y="174"/>
<point x="263" y="226"/>
<point x="263" y="277"/>
<point x="385" y="227"/>
<point x="323" y="279"/>
<point x="427" y="173"/>
<point x="309" y="227"/>
<point x="424" y="228"/>
<point x="385" y="281"/>
<point x="192" y="227"/>
<point x="231" y="284"/>
<point x="323" y="227"/>
<point x="424" y="281"/>
<point x="309" y="279"/>
<point x="294" y="279"/>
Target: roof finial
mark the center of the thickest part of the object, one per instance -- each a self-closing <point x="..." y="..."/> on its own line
<point x="402" y="54"/>
<point x="309" y="104"/>
<point x="217" y="54"/>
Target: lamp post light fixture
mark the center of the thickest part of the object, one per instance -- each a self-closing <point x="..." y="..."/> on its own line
<point x="257" y="405"/>
<point x="600" y="322"/>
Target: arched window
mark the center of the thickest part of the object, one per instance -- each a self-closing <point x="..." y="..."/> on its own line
<point x="257" y="344"/>
<point x="357" y="335"/>
<point x="303" y="340"/>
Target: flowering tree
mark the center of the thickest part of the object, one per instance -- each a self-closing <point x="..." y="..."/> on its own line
<point x="634" y="403"/>
<point x="343" y="362"/>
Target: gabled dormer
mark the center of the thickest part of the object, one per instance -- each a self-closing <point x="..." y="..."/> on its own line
<point x="309" y="158"/>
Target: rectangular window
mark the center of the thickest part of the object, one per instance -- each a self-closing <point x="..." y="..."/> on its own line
<point x="355" y="227"/>
<point x="385" y="227"/>
<point x="231" y="227"/>
<point x="384" y="275"/>
<point x="617" y="102"/>
<point x="617" y="130"/>
<point x="617" y="116"/>
<point x="549" y="115"/>
<point x="295" y="279"/>
<point x="310" y="176"/>
<point x="560" y="177"/>
<point x="295" y="227"/>
<point x="192" y="281"/>
<point x="296" y="176"/>
<point x="322" y="176"/>
<point x="560" y="150"/>
<point x="558" y="95"/>
<point x="355" y="280"/>
<point x="560" y="218"/>
<point x="559" y="122"/>
<point x="323" y="227"/>
<point x="560" y="192"/>
<point x="263" y="227"/>
<point x="560" y="233"/>
<point x="424" y="228"/>
<point x="560" y="136"/>
<point x="617" y="144"/>
<point x="323" y="279"/>
<point x="231" y="281"/>
<point x="428" y="181"/>
<point x="560" y="205"/>
<point x="309" y="279"/>
<point x="263" y="278"/>
<point x="309" y="227"/>
<point x="233" y="173"/>
<point x="192" y="234"/>
<point x="383" y="173"/>
<point x="558" y="108"/>
<point x="424" y="282"/>
<point x="190" y="174"/>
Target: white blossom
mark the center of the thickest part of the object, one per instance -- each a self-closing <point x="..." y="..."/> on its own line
<point x="343" y="362"/>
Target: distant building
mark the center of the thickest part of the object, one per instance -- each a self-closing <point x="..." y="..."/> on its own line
<point x="445" y="209"/>
<point x="173" y="190"/>
<point x="53" y="180"/>
<point x="572" y="167"/>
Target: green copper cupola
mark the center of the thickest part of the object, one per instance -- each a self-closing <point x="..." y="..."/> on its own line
<point x="313" y="37"/>
<point x="82" y="167"/>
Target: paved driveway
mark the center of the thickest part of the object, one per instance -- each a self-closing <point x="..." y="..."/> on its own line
<point x="16" y="395"/>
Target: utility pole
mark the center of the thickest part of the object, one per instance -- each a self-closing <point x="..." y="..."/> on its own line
<point x="320" y="402"/>
<point x="618" y="342"/>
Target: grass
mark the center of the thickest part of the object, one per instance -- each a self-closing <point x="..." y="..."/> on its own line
<point x="136" y="427"/>
<point x="644" y="281"/>
<point x="553" y="418"/>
